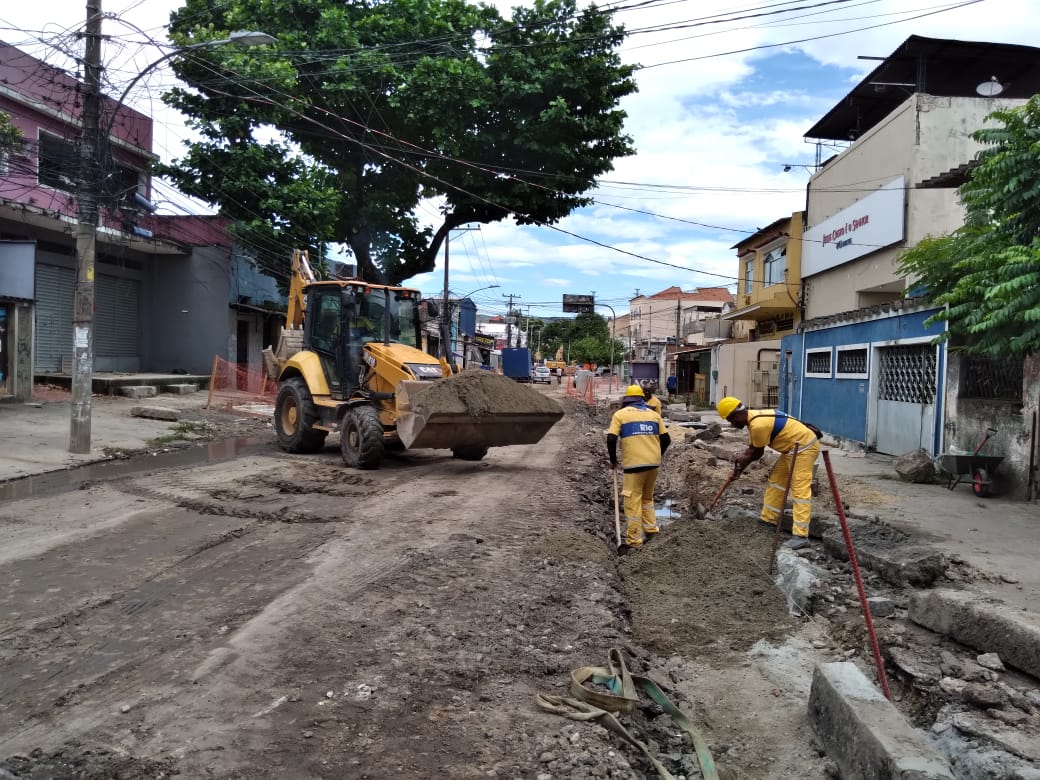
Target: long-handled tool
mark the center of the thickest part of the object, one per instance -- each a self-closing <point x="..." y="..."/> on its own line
<point x="701" y="511"/>
<point x="617" y="510"/>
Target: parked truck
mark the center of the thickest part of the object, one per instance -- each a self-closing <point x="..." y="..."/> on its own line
<point x="516" y="364"/>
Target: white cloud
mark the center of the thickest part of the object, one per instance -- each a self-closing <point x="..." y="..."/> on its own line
<point x="712" y="134"/>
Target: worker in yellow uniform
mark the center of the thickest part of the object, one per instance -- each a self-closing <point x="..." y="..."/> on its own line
<point x="643" y="441"/>
<point x="781" y="432"/>
<point x="652" y="400"/>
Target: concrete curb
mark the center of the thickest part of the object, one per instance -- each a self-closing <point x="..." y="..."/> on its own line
<point x="987" y="626"/>
<point x="901" y="564"/>
<point x="863" y="733"/>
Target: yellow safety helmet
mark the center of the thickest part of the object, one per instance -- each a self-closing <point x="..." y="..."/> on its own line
<point x="634" y="390"/>
<point x="727" y="406"/>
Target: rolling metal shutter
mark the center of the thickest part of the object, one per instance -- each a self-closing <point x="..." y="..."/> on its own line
<point x="116" y="317"/>
<point x="53" y="339"/>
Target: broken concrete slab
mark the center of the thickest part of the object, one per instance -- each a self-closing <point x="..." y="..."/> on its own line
<point x="799" y="580"/>
<point x="983" y="624"/>
<point x="681" y="416"/>
<point x="898" y="561"/>
<point x="185" y="388"/>
<point x="1013" y="740"/>
<point x="881" y="607"/>
<point x="915" y="466"/>
<point x="863" y="733"/>
<point x="990" y="661"/>
<point x="138" y="391"/>
<point x="913" y="665"/>
<point x="155" y="413"/>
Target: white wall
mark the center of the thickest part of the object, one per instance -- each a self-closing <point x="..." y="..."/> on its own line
<point x="923" y="137"/>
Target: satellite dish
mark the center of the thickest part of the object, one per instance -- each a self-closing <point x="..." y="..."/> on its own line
<point x="990" y="88"/>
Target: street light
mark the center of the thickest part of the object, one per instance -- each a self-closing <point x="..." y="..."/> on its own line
<point x="90" y="186"/>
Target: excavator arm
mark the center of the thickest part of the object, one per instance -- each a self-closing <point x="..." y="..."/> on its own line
<point x="302" y="275"/>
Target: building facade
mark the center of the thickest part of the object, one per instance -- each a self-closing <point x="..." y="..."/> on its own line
<point x="865" y="365"/>
<point x="166" y="287"/>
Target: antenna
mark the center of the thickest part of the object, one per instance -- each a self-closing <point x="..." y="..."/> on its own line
<point x="990" y="88"/>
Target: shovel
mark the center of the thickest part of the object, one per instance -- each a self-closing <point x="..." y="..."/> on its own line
<point x="700" y="509"/>
<point x="617" y="510"/>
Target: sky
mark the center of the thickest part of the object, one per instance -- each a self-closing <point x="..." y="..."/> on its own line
<point x="727" y="88"/>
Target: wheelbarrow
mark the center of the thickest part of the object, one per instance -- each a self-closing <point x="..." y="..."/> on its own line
<point x="979" y="468"/>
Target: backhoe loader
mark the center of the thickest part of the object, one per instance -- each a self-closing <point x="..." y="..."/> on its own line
<point x="350" y="360"/>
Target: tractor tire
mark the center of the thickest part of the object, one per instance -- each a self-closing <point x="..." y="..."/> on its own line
<point x="469" y="453"/>
<point x="361" y="438"/>
<point x="295" y="416"/>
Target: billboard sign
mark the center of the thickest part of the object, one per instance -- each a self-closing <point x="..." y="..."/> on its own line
<point x="869" y="224"/>
<point x="579" y="304"/>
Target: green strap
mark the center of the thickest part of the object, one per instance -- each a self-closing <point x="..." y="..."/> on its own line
<point x="588" y="704"/>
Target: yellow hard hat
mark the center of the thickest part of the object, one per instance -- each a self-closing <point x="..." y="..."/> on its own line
<point x="727" y="406"/>
<point x="634" y="390"/>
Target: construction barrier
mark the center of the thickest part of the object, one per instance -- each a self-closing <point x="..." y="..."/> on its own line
<point x="571" y="391"/>
<point x="241" y="388"/>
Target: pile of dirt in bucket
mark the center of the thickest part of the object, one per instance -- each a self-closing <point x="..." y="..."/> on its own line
<point x="480" y="393"/>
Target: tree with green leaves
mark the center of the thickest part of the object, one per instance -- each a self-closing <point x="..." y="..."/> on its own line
<point x="11" y="138"/>
<point x="987" y="273"/>
<point x="364" y="111"/>
<point x="585" y="339"/>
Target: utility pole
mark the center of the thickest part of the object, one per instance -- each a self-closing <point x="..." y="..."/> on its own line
<point x="509" y="320"/>
<point x="86" y="237"/>
<point x="446" y="351"/>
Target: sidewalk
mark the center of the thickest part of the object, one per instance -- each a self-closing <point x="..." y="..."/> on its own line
<point x="34" y="437"/>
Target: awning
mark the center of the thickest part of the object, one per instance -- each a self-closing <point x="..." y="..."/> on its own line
<point x="757" y="311"/>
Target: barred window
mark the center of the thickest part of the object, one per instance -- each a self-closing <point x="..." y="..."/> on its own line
<point x="852" y="363"/>
<point x="996" y="379"/>
<point x="818" y="362"/>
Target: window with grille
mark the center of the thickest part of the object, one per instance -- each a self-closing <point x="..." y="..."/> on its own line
<point x="852" y="363"/>
<point x="749" y="274"/>
<point x="818" y="363"/>
<point x="995" y="379"/>
<point x="58" y="164"/>
<point x="774" y="266"/>
<point x="907" y="374"/>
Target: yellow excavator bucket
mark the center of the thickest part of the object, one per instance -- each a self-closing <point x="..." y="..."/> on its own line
<point x="473" y="409"/>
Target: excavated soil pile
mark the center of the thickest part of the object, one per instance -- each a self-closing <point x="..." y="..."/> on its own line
<point x="705" y="587"/>
<point x="480" y="393"/>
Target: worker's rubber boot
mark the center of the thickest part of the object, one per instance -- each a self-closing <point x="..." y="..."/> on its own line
<point x="796" y="543"/>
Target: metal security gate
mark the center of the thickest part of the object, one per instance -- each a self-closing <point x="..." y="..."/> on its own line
<point x="906" y="391"/>
<point x="117" y="324"/>
<point x="52" y="342"/>
<point x="116" y="321"/>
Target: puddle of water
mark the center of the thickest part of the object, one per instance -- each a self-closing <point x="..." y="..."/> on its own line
<point x="667" y="513"/>
<point x="73" y="478"/>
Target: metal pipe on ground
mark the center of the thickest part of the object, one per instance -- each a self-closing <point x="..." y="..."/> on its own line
<point x="867" y="618"/>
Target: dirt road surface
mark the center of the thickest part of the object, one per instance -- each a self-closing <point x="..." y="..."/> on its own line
<point x="283" y="616"/>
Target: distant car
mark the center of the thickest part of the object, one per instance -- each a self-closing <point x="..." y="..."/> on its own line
<point x="541" y="374"/>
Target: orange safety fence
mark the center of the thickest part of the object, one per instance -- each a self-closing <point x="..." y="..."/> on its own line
<point x="571" y="391"/>
<point x="240" y="387"/>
